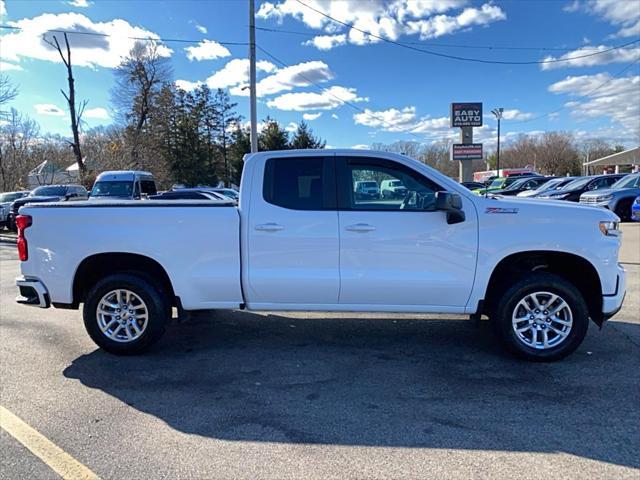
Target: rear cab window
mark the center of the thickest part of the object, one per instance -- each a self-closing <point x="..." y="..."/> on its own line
<point x="300" y="183"/>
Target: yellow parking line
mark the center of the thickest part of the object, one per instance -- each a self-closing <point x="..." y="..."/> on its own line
<point x="53" y="456"/>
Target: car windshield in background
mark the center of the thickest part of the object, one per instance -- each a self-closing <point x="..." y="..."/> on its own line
<point x="369" y="184"/>
<point x="550" y="185"/>
<point x="48" y="192"/>
<point x="10" y="197"/>
<point x="630" y="181"/>
<point x="578" y="183"/>
<point x="112" y="189"/>
<point x="395" y="183"/>
<point x="517" y="184"/>
<point x="497" y="182"/>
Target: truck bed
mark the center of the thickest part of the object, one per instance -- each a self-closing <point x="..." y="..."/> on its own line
<point x="195" y="241"/>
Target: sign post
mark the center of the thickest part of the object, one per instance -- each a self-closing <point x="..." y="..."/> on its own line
<point x="466" y="116"/>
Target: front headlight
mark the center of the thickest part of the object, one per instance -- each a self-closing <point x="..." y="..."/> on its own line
<point x="604" y="198"/>
<point x="610" y="229"/>
<point x="559" y="197"/>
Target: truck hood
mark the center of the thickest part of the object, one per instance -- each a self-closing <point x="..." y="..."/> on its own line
<point x="612" y="191"/>
<point x="548" y="208"/>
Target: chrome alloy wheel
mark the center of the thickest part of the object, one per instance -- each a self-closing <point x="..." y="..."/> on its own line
<point x="122" y="316"/>
<point x="542" y="320"/>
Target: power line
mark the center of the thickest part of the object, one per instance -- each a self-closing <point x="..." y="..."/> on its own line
<point x="98" y="34"/>
<point x="585" y="96"/>
<point x="447" y="45"/>
<point x="456" y="57"/>
<point x="341" y="100"/>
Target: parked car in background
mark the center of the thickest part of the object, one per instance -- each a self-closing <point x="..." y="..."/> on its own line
<point x="392" y="189"/>
<point x="522" y="185"/>
<point x="46" y="194"/>
<point x="550" y="186"/>
<point x="618" y="198"/>
<point x="227" y="192"/>
<point x="572" y="190"/>
<point x="635" y="210"/>
<point x="6" y="199"/>
<point x="125" y="185"/>
<point x="501" y="183"/>
<point x="188" y="194"/>
<point x="366" y="189"/>
<point x="472" y="185"/>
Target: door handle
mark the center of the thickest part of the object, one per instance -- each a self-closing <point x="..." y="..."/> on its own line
<point x="361" y="227"/>
<point x="269" y="227"/>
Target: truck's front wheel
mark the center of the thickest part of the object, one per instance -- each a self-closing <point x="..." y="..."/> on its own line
<point x="542" y="317"/>
<point x="125" y="313"/>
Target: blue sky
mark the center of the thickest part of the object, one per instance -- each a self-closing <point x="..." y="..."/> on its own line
<point x="354" y="89"/>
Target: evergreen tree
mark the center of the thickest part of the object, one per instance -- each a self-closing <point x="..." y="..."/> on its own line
<point x="239" y="147"/>
<point x="225" y="118"/>
<point x="273" y="136"/>
<point x="303" y="138"/>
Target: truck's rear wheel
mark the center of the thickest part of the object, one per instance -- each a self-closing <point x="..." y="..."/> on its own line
<point x="125" y="313"/>
<point x="542" y="317"/>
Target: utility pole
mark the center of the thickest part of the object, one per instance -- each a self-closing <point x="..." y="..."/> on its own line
<point x="252" y="75"/>
<point x="498" y="114"/>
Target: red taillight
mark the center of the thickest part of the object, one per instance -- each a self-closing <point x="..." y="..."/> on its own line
<point x="23" y="222"/>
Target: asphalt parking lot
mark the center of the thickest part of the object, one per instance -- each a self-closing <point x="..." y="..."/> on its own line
<point x="283" y="396"/>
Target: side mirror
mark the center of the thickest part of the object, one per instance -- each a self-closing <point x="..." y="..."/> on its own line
<point x="452" y="204"/>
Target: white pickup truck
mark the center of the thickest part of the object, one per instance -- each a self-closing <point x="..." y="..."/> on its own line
<point x="300" y="239"/>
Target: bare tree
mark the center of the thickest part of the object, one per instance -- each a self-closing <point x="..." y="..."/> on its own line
<point x="8" y="92"/>
<point x="17" y="139"/>
<point x="75" y="114"/>
<point x="139" y="79"/>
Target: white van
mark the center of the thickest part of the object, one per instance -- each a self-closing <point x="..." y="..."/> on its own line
<point x="124" y="184"/>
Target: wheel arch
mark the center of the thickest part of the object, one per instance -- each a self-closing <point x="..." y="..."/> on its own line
<point x="95" y="267"/>
<point x="574" y="268"/>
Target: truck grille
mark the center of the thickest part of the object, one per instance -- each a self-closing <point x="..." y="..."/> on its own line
<point x="589" y="200"/>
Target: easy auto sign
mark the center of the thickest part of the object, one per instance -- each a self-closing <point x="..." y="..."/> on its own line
<point x="466" y="114"/>
<point x="466" y="151"/>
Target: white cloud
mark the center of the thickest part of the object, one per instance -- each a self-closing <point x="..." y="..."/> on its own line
<point x="360" y="146"/>
<point x="515" y="114"/>
<point x="624" y="14"/>
<point x="186" y="85"/>
<point x="334" y="116"/>
<point x="49" y="109"/>
<point x="621" y="55"/>
<point x="329" y="98"/>
<point x="617" y="100"/>
<point x="6" y="66"/>
<point x="405" y="120"/>
<point x="286" y="79"/>
<point x="88" y="50"/>
<point x="98" y="113"/>
<point x="311" y="116"/>
<point x="236" y="73"/>
<point x="3" y="8"/>
<point x="79" y="3"/>
<point x="327" y="42"/>
<point x="201" y="28"/>
<point x="292" y="127"/>
<point x="207" y="50"/>
<point x="385" y="19"/>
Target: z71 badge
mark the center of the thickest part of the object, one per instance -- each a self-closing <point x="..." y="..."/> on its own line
<point x="500" y="210"/>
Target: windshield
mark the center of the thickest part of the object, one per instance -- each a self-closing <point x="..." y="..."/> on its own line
<point x="630" y="181"/>
<point x="10" y="197"/>
<point x="578" y="183"/>
<point x="48" y="192"/>
<point x="551" y="184"/>
<point x="232" y="194"/>
<point x="369" y="184"/>
<point x="517" y="184"/>
<point x="395" y="183"/>
<point x="112" y="189"/>
<point x="497" y="182"/>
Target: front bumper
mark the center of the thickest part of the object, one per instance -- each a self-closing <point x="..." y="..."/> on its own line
<point x="32" y="292"/>
<point x="612" y="303"/>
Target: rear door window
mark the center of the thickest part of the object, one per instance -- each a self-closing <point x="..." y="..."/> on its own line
<point x="306" y="183"/>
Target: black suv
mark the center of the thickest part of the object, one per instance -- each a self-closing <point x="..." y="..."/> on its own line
<point x="47" y="193"/>
<point x="572" y="191"/>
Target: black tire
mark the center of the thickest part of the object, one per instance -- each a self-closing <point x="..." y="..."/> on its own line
<point x="623" y="210"/>
<point x="540" y="282"/>
<point x="158" y="307"/>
